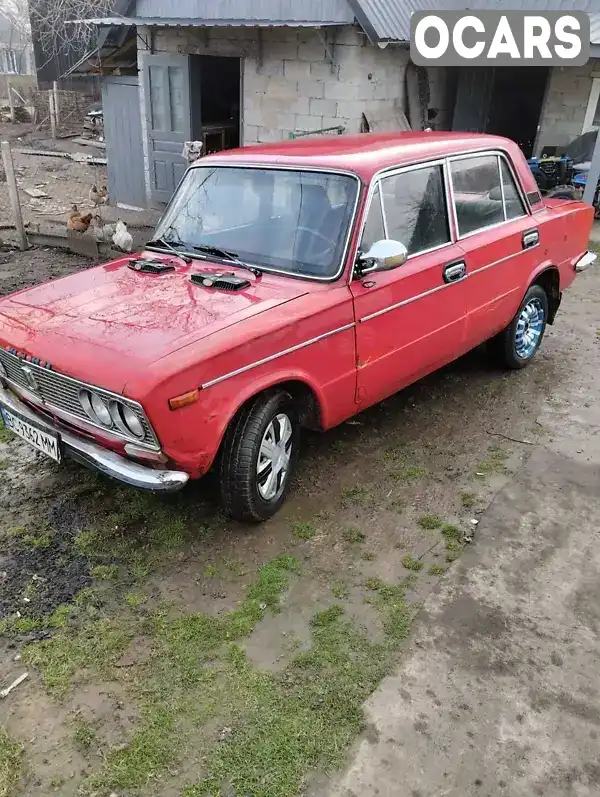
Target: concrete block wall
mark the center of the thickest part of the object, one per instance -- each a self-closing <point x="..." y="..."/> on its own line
<point x="565" y="104"/>
<point x="290" y="86"/>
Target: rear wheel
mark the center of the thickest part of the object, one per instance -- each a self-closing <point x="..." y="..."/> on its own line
<point x="517" y="345"/>
<point x="259" y="457"/>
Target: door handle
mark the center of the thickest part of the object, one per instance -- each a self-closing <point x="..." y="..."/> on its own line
<point x="531" y="238"/>
<point x="454" y="272"/>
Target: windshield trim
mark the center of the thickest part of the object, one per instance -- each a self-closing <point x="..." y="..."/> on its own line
<point x="202" y="163"/>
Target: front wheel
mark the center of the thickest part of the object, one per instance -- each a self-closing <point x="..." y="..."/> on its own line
<point x="259" y="457"/>
<point x="517" y="345"/>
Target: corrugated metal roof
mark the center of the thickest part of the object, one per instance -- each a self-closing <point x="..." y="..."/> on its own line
<point x="595" y="28"/>
<point x="273" y="10"/>
<point x="161" y="22"/>
<point x="389" y="20"/>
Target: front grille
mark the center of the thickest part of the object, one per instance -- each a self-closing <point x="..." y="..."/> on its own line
<point x="62" y="393"/>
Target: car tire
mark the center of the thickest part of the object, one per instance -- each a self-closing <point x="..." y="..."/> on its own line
<point x="516" y="346"/>
<point x="562" y="192"/>
<point x="259" y="456"/>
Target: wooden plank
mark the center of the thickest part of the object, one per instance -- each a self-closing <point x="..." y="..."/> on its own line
<point x="11" y="100"/>
<point x="52" y="113"/>
<point x="13" y="194"/>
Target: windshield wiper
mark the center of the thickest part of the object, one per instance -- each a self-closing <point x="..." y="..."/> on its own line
<point x="170" y="245"/>
<point x="226" y="255"/>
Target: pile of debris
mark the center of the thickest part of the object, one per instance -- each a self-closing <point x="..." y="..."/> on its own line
<point x="21" y="114"/>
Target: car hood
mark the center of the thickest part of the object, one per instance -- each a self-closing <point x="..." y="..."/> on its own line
<point x="112" y="317"/>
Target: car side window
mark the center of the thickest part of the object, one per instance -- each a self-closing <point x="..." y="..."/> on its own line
<point x="512" y="201"/>
<point x="374" y="229"/>
<point x="477" y="192"/>
<point x="415" y="208"/>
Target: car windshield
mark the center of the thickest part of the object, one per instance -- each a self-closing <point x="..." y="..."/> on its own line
<point x="278" y="219"/>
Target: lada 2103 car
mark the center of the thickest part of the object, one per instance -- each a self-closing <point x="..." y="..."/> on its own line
<point x="287" y="285"/>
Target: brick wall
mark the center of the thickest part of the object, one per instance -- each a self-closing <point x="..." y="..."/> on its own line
<point x="289" y="85"/>
<point x="566" y="102"/>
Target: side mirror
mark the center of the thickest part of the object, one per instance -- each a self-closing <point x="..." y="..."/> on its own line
<point x="383" y="256"/>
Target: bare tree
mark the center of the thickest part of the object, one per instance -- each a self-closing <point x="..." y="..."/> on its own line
<point x="58" y="26"/>
<point x="19" y="31"/>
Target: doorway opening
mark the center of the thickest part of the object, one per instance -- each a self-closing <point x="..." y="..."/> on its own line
<point x="219" y="80"/>
<point x="516" y="101"/>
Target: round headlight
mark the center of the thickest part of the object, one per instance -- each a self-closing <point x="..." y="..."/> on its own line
<point x="3" y="373"/>
<point x="101" y="410"/>
<point x="126" y="420"/>
<point x="133" y="423"/>
<point x="95" y="408"/>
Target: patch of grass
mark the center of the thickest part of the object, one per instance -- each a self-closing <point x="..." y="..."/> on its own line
<point x="21" y="625"/>
<point x="322" y="619"/>
<point x="95" y="647"/>
<point x="468" y="500"/>
<point x="272" y="580"/>
<point x="454" y="545"/>
<point x="368" y="556"/>
<point x="409" y="474"/>
<point x="412" y="564"/>
<point x="451" y="532"/>
<point x="304" y="530"/>
<point x="390" y="602"/>
<point x="38" y="534"/>
<point x="83" y="734"/>
<point x="3" y="464"/>
<point x="430" y="522"/>
<point x="359" y="495"/>
<point x="281" y="726"/>
<point x="11" y="762"/>
<point x="105" y="572"/>
<point x="436" y="570"/>
<point x="339" y="590"/>
<point x="60" y="616"/>
<point x="353" y="535"/>
<point x="57" y="783"/>
<point x="135" y="599"/>
<point x="452" y="556"/>
<point x="210" y="571"/>
<point x="495" y="462"/>
<point x="5" y="437"/>
<point x="235" y="567"/>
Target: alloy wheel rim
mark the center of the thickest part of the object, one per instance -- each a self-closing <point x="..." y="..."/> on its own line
<point x="530" y="326"/>
<point x="272" y="468"/>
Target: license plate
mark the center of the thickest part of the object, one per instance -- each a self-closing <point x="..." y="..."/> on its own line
<point x="46" y="442"/>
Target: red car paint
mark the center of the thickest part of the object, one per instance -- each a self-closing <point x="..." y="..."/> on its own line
<point x="155" y="337"/>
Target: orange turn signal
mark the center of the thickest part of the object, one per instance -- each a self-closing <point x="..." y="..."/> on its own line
<point x="184" y="400"/>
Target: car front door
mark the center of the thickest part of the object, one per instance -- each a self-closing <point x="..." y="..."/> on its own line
<point x="410" y="320"/>
<point x="499" y="239"/>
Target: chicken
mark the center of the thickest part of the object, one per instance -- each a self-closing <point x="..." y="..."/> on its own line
<point x="76" y="222"/>
<point x="122" y="238"/>
<point x="103" y="232"/>
<point x="99" y="196"/>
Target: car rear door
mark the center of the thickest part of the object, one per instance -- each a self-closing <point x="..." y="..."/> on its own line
<point x="411" y="320"/>
<point x="499" y="239"/>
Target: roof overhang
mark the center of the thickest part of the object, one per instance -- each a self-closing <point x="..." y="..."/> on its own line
<point x="160" y="22"/>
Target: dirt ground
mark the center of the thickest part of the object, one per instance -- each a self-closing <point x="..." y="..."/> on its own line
<point x="172" y="652"/>
<point x="64" y="181"/>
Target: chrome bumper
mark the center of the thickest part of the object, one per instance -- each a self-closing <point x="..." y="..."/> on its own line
<point x="98" y="458"/>
<point x="585" y="261"/>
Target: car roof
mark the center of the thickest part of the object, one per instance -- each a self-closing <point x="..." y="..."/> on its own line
<point x="364" y="154"/>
